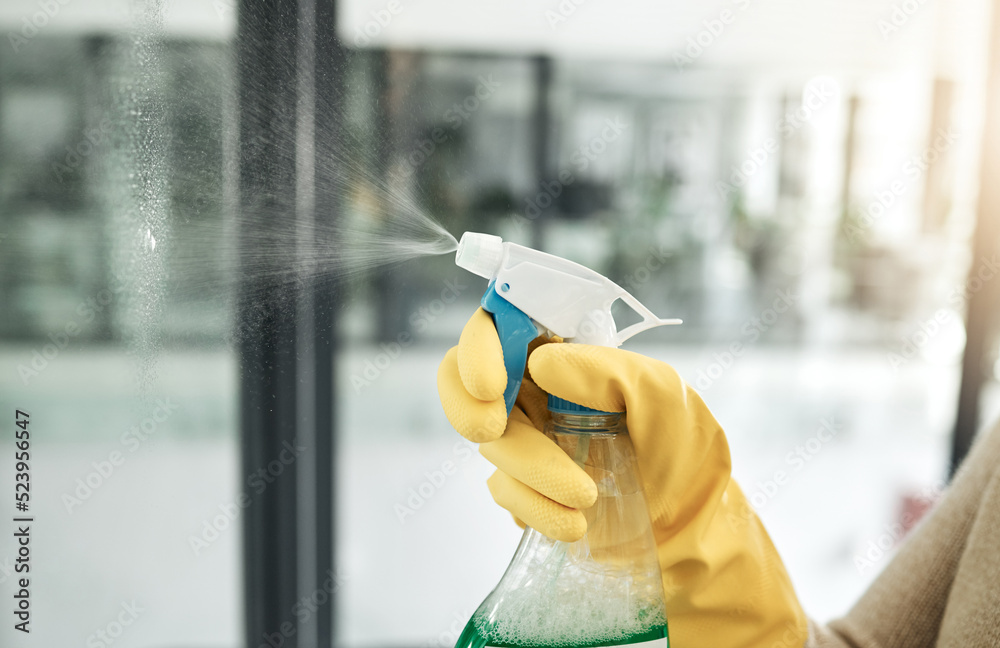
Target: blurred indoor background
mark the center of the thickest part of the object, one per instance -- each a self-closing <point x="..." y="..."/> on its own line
<point x="801" y="180"/>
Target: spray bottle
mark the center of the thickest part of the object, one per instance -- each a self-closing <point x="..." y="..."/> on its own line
<point x="605" y="589"/>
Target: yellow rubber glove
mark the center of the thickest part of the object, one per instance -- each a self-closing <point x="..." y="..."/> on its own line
<point x="725" y="584"/>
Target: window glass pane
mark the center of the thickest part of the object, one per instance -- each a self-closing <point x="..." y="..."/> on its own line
<point x="114" y="327"/>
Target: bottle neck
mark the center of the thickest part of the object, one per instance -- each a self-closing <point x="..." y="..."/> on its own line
<point x="586" y="423"/>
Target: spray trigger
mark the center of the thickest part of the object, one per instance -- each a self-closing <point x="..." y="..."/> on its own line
<point x="531" y="292"/>
<point x="516" y="331"/>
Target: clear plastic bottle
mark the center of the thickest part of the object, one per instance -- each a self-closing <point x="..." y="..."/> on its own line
<point x="603" y="590"/>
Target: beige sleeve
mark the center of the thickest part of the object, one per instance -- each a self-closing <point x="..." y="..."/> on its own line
<point x="905" y="605"/>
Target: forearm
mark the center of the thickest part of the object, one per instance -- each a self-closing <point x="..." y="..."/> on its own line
<point x="905" y="605"/>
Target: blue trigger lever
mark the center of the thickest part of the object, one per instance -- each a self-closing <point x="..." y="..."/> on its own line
<point x="516" y="331"/>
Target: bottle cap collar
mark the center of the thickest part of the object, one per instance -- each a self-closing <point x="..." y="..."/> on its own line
<point x="563" y="406"/>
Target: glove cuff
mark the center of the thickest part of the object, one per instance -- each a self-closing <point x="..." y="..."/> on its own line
<point x="725" y="583"/>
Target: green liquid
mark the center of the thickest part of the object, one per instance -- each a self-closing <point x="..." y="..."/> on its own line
<point x="471" y="638"/>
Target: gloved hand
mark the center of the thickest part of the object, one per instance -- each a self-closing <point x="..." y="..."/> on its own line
<point x="725" y="584"/>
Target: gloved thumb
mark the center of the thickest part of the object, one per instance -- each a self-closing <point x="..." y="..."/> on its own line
<point x="681" y="449"/>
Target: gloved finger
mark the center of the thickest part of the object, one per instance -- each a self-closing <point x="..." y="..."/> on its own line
<point x="540" y="513"/>
<point x="480" y="358"/>
<point x="535" y="460"/>
<point x="477" y="420"/>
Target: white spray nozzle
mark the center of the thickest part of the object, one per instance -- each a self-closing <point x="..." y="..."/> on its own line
<point x="480" y="254"/>
<point x="568" y="299"/>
